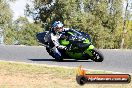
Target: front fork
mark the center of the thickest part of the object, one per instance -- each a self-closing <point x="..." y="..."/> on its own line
<point x="88" y="50"/>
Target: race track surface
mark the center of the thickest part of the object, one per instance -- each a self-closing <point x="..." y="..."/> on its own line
<point x="114" y="60"/>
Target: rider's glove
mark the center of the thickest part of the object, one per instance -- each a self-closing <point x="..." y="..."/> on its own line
<point x="64" y="48"/>
<point x="61" y="47"/>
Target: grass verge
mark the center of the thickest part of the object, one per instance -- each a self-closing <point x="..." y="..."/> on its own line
<point x="19" y="75"/>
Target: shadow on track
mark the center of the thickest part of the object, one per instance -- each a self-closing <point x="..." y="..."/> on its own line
<point x="42" y="59"/>
<point x="65" y="60"/>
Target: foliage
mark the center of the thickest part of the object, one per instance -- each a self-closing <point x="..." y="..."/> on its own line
<point x="5" y="18"/>
<point x="23" y="32"/>
<point x="5" y="13"/>
<point x="27" y="35"/>
<point x="102" y="19"/>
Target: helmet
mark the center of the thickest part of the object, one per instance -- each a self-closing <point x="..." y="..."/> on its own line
<point x="57" y="26"/>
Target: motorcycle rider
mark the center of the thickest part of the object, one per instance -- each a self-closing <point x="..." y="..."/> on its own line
<point x="55" y="33"/>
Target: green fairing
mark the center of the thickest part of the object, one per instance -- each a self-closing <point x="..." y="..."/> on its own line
<point x="87" y="41"/>
<point x="71" y="33"/>
<point x="71" y="54"/>
<point x="91" y="47"/>
<point x="64" y="42"/>
<point x="74" y="55"/>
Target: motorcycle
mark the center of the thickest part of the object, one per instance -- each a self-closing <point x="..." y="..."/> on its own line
<point x="79" y="46"/>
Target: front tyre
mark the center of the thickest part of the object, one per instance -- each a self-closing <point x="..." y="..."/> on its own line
<point x="97" y="55"/>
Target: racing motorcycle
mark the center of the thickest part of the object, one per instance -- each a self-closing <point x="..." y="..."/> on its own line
<point x="79" y="46"/>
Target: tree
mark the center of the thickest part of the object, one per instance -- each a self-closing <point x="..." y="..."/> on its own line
<point x="124" y="28"/>
<point x="25" y="32"/>
<point x="100" y="18"/>
<point x="5" y="18"/>
<point x="5" y="13"/>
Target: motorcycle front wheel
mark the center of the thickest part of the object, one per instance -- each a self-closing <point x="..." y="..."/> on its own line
<point x="97" y="55"/>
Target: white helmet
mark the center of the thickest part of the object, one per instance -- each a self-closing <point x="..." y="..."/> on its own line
<point x="57" y="26"/>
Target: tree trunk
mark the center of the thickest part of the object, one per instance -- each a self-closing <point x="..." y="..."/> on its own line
<point x="81" y="6"/>
<point x="124" y="28"/>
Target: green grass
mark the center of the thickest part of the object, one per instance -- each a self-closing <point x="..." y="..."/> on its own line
<point x="20" y="75"/>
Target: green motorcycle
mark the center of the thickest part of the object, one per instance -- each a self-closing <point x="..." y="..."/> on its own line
<point x="79" y="46"/>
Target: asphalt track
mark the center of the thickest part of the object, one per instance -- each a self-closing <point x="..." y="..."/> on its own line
<point x="114" y="60"/>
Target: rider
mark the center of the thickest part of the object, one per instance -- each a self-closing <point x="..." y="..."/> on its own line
<point x="56" y="31"/>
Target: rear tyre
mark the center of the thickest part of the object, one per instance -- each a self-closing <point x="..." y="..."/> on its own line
<point x="97" y="55"/>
